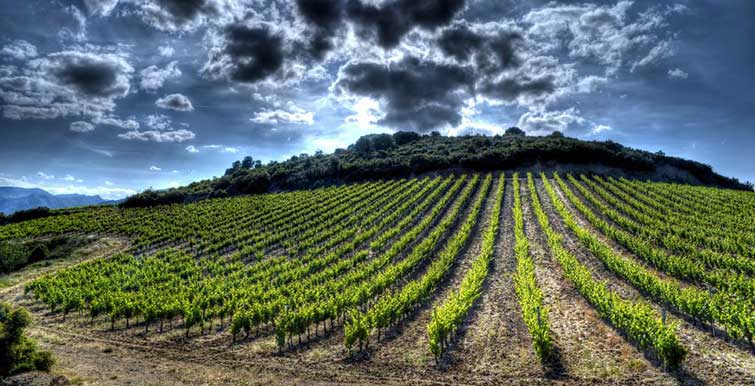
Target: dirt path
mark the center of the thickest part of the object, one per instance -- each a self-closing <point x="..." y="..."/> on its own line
<point x="495" y="342"/>
<point x="590" y="348"/>
<point x="711" y="360"/>
<point x="406" y="347"/>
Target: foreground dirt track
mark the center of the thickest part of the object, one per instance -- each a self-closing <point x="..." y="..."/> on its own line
<point x="493" y="346"/>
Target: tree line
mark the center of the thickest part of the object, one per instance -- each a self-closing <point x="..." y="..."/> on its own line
<point x="406" y="154"/>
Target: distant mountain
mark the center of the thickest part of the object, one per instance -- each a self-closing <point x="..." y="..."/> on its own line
<point x="13" y="199"/>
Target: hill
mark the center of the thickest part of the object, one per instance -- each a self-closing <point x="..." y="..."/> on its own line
<point x="13" y="199"/>
<point x="465" y="278"/>
<point x="407" y="154"/>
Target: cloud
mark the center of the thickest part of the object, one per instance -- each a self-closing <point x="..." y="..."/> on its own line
<point x="81" y="127"/>
<point x="416" y="94"/>
<point x="176" y="102"/>
<point x="296" y="116"/>
<point x="153" y="77"/>
<point x="597" y="129"/>
<point x="64" y="84"/>
<point x="188" y="15"/>
<point x="69" y="178"/>
<point x="154" y="168"/>
<point x="325" y="17"/>
<point x="219" y="148"/>
<point x="540" y="123"/>
<point x="100" y="7"/>
<point x="677" y="73"/>
<point x="90" y="74"/>
<point x="509" y="89"/>
<point x="19" y="50"/>
<point x="166" y="51"/>
<point x="660" y="51"/>
<point x="491" y="49"/>
<point x="389" y="21"/>
<point x="158" y="136"/>
<point x="117" y="122"/>
<point x="246" y="53"/>
<point x="158" y="122"/>
<point x="607" y="35"/>
<point x="45" y="176"/>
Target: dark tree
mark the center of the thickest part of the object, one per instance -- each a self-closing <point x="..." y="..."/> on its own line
<point x="247" y="163"/>
<point x="515" y="131"/>
<point x="404" y="137"/>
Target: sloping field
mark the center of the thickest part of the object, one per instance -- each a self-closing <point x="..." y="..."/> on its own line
<point x="459" y="279"/>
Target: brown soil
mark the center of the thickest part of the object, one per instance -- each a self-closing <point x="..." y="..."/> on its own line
<point x="588" y="347"/>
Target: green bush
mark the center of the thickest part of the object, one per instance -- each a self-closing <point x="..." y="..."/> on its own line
<point x="19" y="353"/>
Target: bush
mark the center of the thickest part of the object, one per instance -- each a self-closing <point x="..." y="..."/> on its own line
<point x="19" y="353"/>
<point x="13" y="256"/>
<point x="29" y="214"/>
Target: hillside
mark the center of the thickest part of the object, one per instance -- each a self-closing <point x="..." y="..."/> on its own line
<point x="13" y="199"/>
<point x="466" y="278"/>
<point x="406" y="154"/>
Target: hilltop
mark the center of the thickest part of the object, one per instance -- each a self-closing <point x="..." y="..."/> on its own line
<point x="407" y="154"/>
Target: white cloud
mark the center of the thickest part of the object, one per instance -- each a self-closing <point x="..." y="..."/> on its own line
<point x="540" y="123"/>
<point x="177" y="102"/>
<point x="154" y="168"/>
<point x="158" y="136"/>
<point x="166" y="51"/>
<point x="100" y="7"/>
<point x="296" y="116"/>
<point x="108" y="183"/>
<point x="677" y="73"/>
<point x="597" y="129"/>
<point x="129" y="124"/>
<point x="81" y="127"/>
<point x="45" y="176"/>
<point x="19" y="50"/>
<point x="69" y="178"/>
<point x="153" y="77"/>
<point x="218" y="148"/>
<point x="158" y="122"/>
<point x="660" y="51"/>
<point x="608" y="35"/>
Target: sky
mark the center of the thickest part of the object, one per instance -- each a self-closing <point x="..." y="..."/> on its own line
<point x="111" y="97"/>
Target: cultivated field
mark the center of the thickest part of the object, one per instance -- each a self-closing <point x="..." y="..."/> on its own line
<point x="457" y="279"/>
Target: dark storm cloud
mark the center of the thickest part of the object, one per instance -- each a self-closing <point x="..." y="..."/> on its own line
<point x="491" y="51"/>
<point x="248" y="54"/>
<point x="509" y="89"/>
<point x="91" y="75"/>
<point x="66" y="84"/>
<point x="418" y="94"/>
<point x="325" y="17"/>
<point x="183" y="9"/>
<point x="390" y="21"/>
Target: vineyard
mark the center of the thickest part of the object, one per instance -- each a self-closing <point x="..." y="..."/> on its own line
<point x="462" y="279"/>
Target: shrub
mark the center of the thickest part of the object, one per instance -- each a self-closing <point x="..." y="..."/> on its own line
<point x="19" y="353"/>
